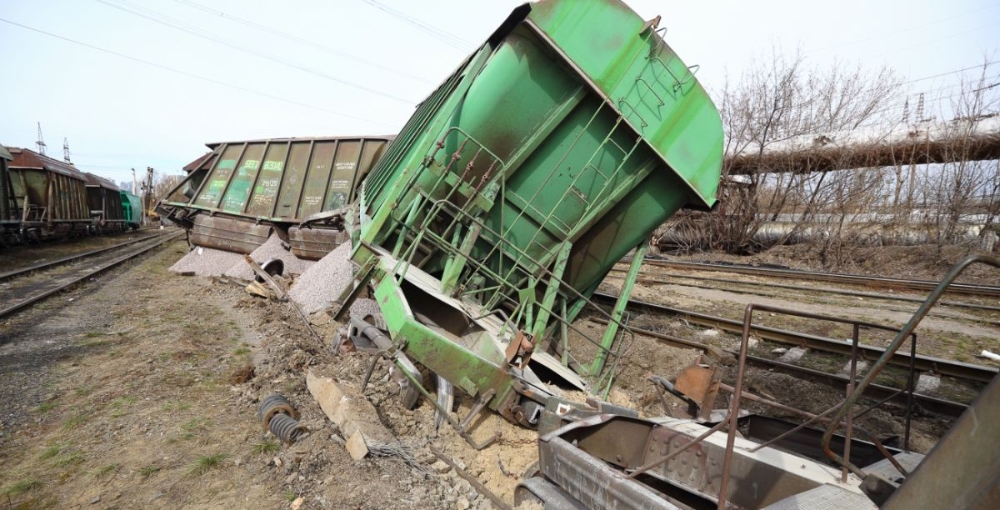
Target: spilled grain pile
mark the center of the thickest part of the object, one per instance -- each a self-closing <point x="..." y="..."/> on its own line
<point x="207" y="262"/>
<point x="272" y="249"/>
<point x="322" y="282"/>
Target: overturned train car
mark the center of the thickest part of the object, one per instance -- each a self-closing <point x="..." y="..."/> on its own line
<point x="237" y="195"/>
<point x="552" y="151"/>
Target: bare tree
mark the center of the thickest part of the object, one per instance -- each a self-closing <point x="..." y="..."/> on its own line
<point x="779" y="102"/>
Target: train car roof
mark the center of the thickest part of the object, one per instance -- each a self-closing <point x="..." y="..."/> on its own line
<point x="388" y="138"/>
<point x="25" y="158"/>
<point x="97" y="180"/>
<point x="4" y="154"/>
<point x="204" y="162"/>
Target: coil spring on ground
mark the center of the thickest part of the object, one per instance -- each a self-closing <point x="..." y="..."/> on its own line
<point x="273" y="405"/>
<point x="286" y="428"/>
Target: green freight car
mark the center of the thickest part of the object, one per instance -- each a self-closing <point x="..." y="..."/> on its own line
<point x="132" y="210"/>
<point x="553" y="150"/>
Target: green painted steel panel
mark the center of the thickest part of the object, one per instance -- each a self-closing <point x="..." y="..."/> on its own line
<point x="638" y="73"/>
<point x="281" y="180"/>
<point x="265" y="190"/>
<point x="240" y="185"/>
<point x="295" y="171"/>
<point x="218" y="178"/>
<point x="568" y="153"/>
<point x="314" y="187"/>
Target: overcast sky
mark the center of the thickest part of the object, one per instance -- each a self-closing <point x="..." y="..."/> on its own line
<point x="172" y="75"/>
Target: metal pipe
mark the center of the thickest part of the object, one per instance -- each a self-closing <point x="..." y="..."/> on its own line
<point x="734" y="407"/>
<point x="855" y="334"/>
<point x="796" y="428"/>
<point x="476" y="484"/>
<point x="477" y="407"/>
<point x="943" y="366"/>
<point x="451" y="421"/>
<point x="910" y="385"/>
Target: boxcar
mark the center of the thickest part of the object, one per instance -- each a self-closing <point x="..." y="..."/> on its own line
<point x="50" y="196"/>
<point x="105" y="203"/>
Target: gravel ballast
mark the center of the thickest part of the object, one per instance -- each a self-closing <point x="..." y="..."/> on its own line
<point x="207" y="262"/>
<point x="272" y="249"/>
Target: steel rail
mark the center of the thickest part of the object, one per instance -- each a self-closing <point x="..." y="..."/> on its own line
<point x="821" y="290"/>
<point x="868" y="281"/>
<point x="79" y="256"/>
<point x="839" y="382"/>
<point x="923" y="363"/>
<point x="103" y="267"/>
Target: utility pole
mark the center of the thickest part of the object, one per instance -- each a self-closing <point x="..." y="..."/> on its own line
<point x="147" y="197"/>
<point x="40" y="143"/>
<point x="135" y="185"/>
<point x="66" y="150"/>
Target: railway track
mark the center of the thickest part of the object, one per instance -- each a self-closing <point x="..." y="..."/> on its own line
<point x="865" y="281"/>
<point x="51" y="278"/>
<point x="952" y="368"/>
<point x="75" y="257"/>
<point x="836" y="381"/>
<point x="682" y="280"/>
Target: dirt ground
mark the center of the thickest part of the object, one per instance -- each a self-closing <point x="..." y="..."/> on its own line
<point x="132" y="392"/>
<point x="139" y="390"/>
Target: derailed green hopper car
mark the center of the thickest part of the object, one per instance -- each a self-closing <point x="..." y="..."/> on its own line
<point x="552" y="151"/>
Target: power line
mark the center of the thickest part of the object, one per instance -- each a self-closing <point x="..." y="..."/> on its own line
<point x="986" y="64"/>
<point x="300" y="40"/>
<point x="179" y="25"/>
<point x="932" y="41"/>
<point x="450" y="39"/>
<point x="897" y="32"/>
<point x="191" y="75"/>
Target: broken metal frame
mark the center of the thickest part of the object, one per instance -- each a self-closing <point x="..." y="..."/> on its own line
<point x="616" y="455"/>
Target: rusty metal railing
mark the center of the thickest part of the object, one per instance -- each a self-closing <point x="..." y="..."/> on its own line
<point x="836" y="421"/>
<point x="896" y="343"/>
<point x="844" y="409"/>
